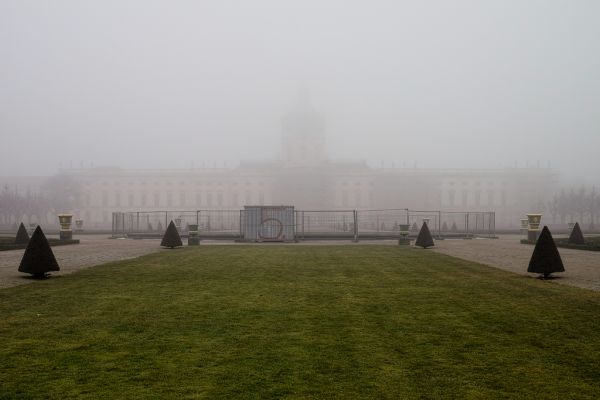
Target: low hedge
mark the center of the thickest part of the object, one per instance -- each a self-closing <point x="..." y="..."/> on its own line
<point x="591" y="243"/>
<point x="9" y="243"/>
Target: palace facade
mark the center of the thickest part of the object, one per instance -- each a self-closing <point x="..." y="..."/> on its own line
<point x="308" y="179"/>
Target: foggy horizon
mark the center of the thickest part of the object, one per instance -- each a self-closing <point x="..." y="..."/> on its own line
<point x="141" y="84"/>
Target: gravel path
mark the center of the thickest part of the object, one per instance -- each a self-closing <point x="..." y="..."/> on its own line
<point x="582" y="268"/>
<point x="92" y="250"/>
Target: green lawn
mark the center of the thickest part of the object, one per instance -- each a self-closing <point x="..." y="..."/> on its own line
<point x="301" y="322"/>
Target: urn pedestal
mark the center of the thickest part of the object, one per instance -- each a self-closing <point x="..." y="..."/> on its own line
<point x="524" y="225"/>
<point x="533" y="230"/>
<point x="78" y="225"/>
<point x="404" y="240"/>
<point x="193" y="238"/>
<point x="65" y="233"/>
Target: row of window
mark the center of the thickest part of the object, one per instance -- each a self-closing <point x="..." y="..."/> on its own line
<point x="170" y="199"/>
<point x="490" y="198"/>
<point x="169" y="183"/>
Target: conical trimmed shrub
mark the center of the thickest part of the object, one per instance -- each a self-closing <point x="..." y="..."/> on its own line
<point x="576" y="236"/>
<point x="424" y="239"/>
<point x="159" y="227"/>
<point x="22" y="235"/>
<point x="454" y="228"/>
<point x="545" y="258"/>
<point x="38" y="258"/>
<point x="414" y="227"/>
<point x="171" y="238"/>
<point x="444" y="227"/>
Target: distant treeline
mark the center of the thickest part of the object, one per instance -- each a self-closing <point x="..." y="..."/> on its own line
<point x="581" y="204"/>
<point x="60" y="193"/>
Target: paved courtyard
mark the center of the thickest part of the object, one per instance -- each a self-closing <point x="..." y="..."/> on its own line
<point x="92" y="250"/>
<point x="582" y="267"/>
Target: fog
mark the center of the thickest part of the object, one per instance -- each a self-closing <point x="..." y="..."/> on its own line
<point x="157" y="84"/>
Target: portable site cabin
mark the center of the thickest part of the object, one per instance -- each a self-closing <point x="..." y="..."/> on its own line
<point x="268" y="223"/>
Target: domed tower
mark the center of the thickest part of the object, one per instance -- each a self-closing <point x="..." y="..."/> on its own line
<point x="303" y="135"/>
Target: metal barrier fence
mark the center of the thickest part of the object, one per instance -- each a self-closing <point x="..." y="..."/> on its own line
<point x="311" y="224"/>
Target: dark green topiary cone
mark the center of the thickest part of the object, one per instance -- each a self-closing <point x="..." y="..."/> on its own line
<point x="454" y="227"/>
<point x="424" y="239"/>
<point x="545" y="258"/>
<point x="414" y="227"/>
<point x="576" y="236"/>
<point x="22" y="235"/>
<point x="38" y="259"/>
<point x="171" y="238"/>
<point x="444" y="227"/>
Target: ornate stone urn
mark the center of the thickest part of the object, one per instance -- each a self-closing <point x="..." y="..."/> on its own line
<point x="533" y="230"/>
<point x="178" y="224"/>
<point x="404" y="228"/>
<point x="524" y="225"/>
<point x="65" y="226"/>
<point x="79" y="225"/>
<point x="193" y="238"/>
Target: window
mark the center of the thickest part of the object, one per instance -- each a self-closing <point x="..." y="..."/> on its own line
<point x="169" y="199"/>
<point x="117" y="199"/>
<point x="130" y="199"/>
<point x="182" y="199"/>
<point x="143" y="198"/>
<point x="156" y="199"/>
<point x="451" y="197"/>
<point x="209" y="199"/>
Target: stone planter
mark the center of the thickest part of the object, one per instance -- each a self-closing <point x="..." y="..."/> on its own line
<point x="78" y="225"/>
<point x="404" y="240"/>
<point x="524" y="225"/>
<point x="65" y="226"/>
<point x="193" y="238"/>
<point x="533" y="230"/>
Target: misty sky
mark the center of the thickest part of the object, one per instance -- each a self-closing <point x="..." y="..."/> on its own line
<point x="161" y="83"/>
